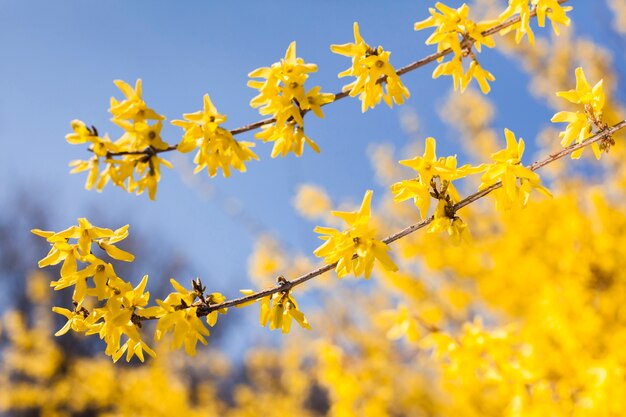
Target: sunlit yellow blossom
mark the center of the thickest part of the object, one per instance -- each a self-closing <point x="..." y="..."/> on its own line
<point x="85" y="234"/>
<point x="455" y="31"/>
<point x="116" y="319"/>
<point x="545" y="8"/>
<point x="356" y="248"/>
<point x="218" y="148"/>
<point x="75" y="320"/>
<point x="150" y="174"/>
<point x="287" y="138"/>
<point x="132" y="107"/>
<point x="279" y="310"/>
<point x="429" y="167"/>
<point x="215" y="298"/>
<point x="100" y="146"/>
<point x="283" y="96"/>
<point x="91" y="165"/>
<point x="372" y="69"/>
<point x="580" y="124"/>
<point x="508" y="169"/>
<point x="481" y="76"/>
<point x="444" y="221"/>
<point x="69" y="253"/>
<point x="177" y="315"/>
<point x="134" y="153"/>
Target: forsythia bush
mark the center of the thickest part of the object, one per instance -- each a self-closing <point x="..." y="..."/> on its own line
<point x="506" y="308"/>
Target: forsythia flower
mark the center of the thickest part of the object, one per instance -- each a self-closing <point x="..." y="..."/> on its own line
<point x="138" y="146"/>
<point x="545" y="8"/>
<point x="117" y="318"/>
<point x="133" y="107"/>
<point x="372" y="69"/>
<point x="428" y="168"/>
<point x="178" y="313"/>
<point x="288" y="138"/>
<point x="283" y="95"/>
<point x="444" y="221"/>
<point x="508" y="169"/>
<point x="355" y="249"/>
<point x="455" y="31"/>
<point x="70" y="253"/>
<point x="218" y="148"/>
<point x="112" y="321"/>
<point x="85" y="234"/>
<point x="75" y="319"/>
<point x="279" y="310"/>
<point x="84" y="134"/>
<point x="580" y="123"/>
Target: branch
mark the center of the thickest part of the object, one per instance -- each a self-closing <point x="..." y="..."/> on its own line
<point x="288" y="285"/>
<point x="343" y="94"/>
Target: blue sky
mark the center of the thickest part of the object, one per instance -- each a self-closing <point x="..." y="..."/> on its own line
<point x="60" y="58"/>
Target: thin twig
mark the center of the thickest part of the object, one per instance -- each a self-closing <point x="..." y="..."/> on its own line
<point x="343" y="94"/>
<point x="289" y="284"/>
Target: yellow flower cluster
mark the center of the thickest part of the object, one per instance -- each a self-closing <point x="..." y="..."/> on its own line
<point x="279" y="310"/>
<point x="580" y="124"/>
<point x="436" y="175"/>
<point x="431" y="171"/>
<point x="139" y="146"/>
<point x="282" y="95"/>
<point x="123" y="302"/>
<point x="455" y="31"/>
<point x="434" y="180"/>
<point x="372" y="69"/>
<point x="122" y="306"/>
<point x="355" y="249"/>
<point x="178" y="314"/>
<point x="550" y="9"/>
<point x="517" y="180"/>
<point x="217" y="147"/>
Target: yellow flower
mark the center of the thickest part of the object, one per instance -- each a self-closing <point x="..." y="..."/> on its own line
<point x="580" y="123"/>
<point x="444" y="220"/>
<point x="288" y="137"/>
<point x="508" y="169"/>
<point x="554" y="11"/>
<point x="133" y="107"/>
<point x="453" y="30"/>
<point x="177" y="315"/>
<point x="356" y="248"/>
<point x="283" y="96"/>
<point x="85" y="234"/>
<point x="75" y="319"/>
<point x="279" y="310"/>
<point x="215" y="298"/>
<point x="91" y="165"/>
<point x="429" y="167"/>
<point x="218" y="148"/>
<point x="117" y="318"/>
<point x="85" y="134"/>
<point x="372" y="69"/>
<point x="149" y="170"/>
<point x="481" y="75"/>
<point x="545" y="8"/>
